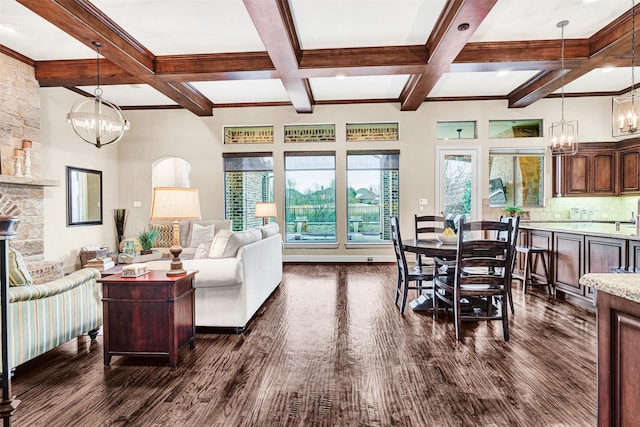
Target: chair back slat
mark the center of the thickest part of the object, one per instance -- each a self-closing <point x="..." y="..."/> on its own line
<point x="428" y="224"/>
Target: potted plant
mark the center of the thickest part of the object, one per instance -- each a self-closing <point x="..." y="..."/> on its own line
<point x="147" y="238"/>
<point x="513" y="210"/>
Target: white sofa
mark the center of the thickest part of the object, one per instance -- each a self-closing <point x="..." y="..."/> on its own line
<point x="231" y="287"/>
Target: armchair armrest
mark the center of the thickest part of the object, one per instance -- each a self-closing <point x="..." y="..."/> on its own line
<point x="58" y="286"/>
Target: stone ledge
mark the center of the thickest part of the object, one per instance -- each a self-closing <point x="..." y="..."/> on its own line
<point x="45" y="271"/>
<point x="34" y="182"/>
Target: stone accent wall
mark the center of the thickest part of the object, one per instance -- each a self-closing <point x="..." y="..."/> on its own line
<point x="20" y="119"/>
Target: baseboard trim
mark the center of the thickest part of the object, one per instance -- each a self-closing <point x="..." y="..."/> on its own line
<point x="338" y="258"/>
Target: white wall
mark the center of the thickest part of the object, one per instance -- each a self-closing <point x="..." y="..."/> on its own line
<point x="198" y="140"/>
<point x="61" y="148"/>
<point x="156" y="134"/>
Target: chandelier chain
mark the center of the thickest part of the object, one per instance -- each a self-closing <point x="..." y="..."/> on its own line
<point x="633" y="50"/>
<point x="562" y="76"/>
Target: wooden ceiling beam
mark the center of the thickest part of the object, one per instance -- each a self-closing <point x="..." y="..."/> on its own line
<point x="605" y="49"/>
<point x="445" y="43"/>
<point x="274" y="22"/>
<point x="83" y="21"/>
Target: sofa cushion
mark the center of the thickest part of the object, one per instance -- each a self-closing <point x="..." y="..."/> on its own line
<point x="202" y="251"/>
<point x="18" y="273"/>
<point x="165" y="235"/>
<point x="269" y="230"/>
<point x="201" y="234"/>
<point x="226" y="242"/>
<point x="220" y="224"/>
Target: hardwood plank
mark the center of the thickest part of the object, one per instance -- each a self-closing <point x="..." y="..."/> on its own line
<point x="330" y="348"/>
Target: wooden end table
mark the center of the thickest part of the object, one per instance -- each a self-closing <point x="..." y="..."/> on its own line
<point x="150" y="315"/>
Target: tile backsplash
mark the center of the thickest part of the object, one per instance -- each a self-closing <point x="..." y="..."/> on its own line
<point x="557" y="209"/>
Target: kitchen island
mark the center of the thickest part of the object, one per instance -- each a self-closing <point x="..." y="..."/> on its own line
<point x="618" y="317"/>
<point x="577" y="248"/>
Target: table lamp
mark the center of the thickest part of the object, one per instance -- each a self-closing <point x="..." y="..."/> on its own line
<point x="266" y="210"/>
<point x="175" y="204"/>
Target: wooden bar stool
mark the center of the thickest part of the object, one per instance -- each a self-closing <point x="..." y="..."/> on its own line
<point x="532" y="255"/>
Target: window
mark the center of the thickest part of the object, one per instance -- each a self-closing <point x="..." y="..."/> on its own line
<point x="456" y="130"/>
<point x="372" y="194"/>
<point x="310" y="197"/>
<point x="516" y="177"/>
<point x="248" y="178"/>
<point x="515" y="128"/>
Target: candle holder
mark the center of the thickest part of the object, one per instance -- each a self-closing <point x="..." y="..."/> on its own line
<point x="18" y="167"/>
<point x="27" y="162"/>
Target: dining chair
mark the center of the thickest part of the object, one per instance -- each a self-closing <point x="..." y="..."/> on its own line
<point x="515" y="225"/>
<point x="427" y="227"/>
<point x="406" y="275"/>
<point x="484" y="293"/>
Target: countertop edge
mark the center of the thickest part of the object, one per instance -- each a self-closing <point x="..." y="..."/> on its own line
<point x="625" y="286"/>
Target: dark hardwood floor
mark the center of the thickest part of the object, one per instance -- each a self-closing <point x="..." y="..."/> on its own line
<point x="330" y="348"/>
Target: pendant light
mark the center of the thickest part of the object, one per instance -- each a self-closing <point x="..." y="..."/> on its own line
<point x="625" y="108"/>
<point x="97" y="121"/>
<point x="563" y="134"/>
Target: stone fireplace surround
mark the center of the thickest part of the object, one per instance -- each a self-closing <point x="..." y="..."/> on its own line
<point x="27" y="195"/>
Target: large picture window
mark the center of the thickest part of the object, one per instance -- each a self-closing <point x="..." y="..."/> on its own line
<point x="372" y="194"/>
<point x="248" y="179"/>
<point x="310" y="197"/>
<point x="516" y="178"/>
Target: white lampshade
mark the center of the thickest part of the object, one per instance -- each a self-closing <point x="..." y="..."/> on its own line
<point x="266" y="210"/>
<point x="175" y="204"/>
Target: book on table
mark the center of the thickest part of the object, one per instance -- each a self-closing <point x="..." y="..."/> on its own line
<point x="100" y="264"/>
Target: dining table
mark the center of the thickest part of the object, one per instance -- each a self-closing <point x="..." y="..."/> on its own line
<point x="430" y="248"/>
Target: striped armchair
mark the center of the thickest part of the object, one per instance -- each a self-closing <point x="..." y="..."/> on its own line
<point x="45" y="316"/>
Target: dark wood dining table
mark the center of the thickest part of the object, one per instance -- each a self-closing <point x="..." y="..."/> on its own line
<point x="429" y="248"/>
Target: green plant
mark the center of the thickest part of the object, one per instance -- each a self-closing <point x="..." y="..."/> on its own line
<point x="514" y="210"/>
<point x="147" y="238"/>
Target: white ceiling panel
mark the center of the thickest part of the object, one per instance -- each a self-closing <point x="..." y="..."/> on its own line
<point x="135" y="95"/>
<point x="480" y="84"/>
<point x="171" y="27"/>
<point x="602" y="80"/>
<point x="324" y="24"/>
<point x="243" y="91"/>
<point x="27" y="33"/>
<point x="537" y="19"/>
<point x="361" y="87"/>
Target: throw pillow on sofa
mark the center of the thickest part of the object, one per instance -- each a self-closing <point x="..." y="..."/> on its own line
<point x="269" y="230"/>
<point x="226" y="242"/>
<point x="165" y="235"/>
<point x="201" y="234"/>
<point x="18" y="273"/>
<point x="202" y="251"/>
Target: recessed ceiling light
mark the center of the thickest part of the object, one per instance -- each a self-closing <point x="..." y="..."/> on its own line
<point x="608" y="69"/>
<point x="9" y="28"/>
<point x="503" y="73"/>
<point x="340" y="77"/>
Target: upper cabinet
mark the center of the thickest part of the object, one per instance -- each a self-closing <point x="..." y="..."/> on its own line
<point x="629" y="170"/>
<point x="590" y="172"/>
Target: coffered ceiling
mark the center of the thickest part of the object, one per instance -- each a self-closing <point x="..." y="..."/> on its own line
<point x="205" y="54"/>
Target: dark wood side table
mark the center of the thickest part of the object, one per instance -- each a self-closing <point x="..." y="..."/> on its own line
<point x="150" y="315"/>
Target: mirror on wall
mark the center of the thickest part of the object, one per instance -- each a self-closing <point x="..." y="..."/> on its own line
<point x="84" y="196"/>
<point x="170" y="172"/>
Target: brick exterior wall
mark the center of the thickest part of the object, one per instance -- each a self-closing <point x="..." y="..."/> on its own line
<point x="243" y="190"/>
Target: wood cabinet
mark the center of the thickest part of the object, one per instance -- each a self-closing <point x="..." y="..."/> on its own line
<point x="150" y="315"/>
<point x="630" y="171"/>
<point x="590" y="172"/>
<point x="568" y="266"/>
<point x="634" y="255"/>
<point x="618" y="360"/>
<point x="602" y="253"/>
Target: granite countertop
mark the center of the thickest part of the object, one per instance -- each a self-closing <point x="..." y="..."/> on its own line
<point x="625" y="230"/>
<point x="622" y="285"/>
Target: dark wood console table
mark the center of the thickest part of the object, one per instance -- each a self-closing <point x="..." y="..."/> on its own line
<point x="150" y="315"/>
